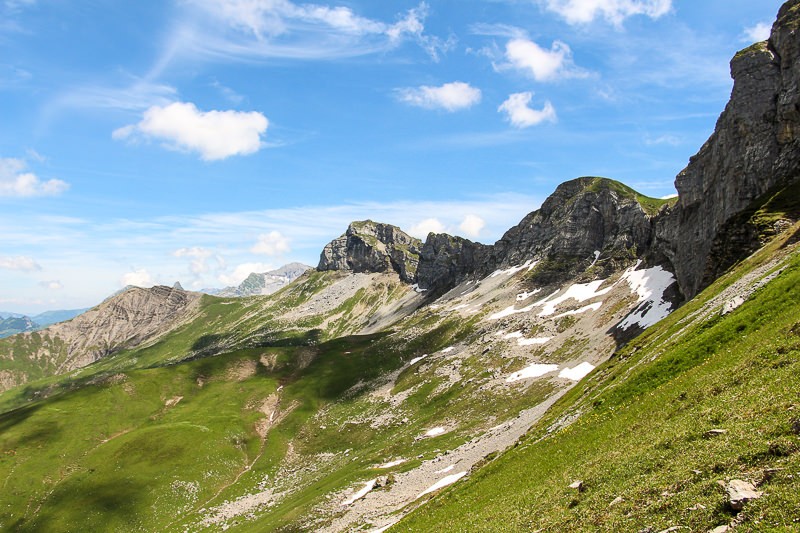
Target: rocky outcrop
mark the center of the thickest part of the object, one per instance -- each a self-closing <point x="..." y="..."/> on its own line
<point x="754" y="149"/>
<point x="583" y="216"/>
<point x="373" y="247"/>
<point x="446" y="260"/>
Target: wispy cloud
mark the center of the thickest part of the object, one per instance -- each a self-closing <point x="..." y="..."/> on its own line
<point x="136" y="95"/>
<point x="612" y="11"/>
<point x="451" y="97"/>
<point x="16" y="181"/>
<point x="22" y="263"/>
<point x="263" y="29"/>
<point x="212" y="134"/>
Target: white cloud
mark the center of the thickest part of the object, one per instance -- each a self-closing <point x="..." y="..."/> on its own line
<point x="472" y="226"/>
<point x="670" y="140"/>
<point x="20" y="262"/>
<point x="282" y="28"/>
<point x="138" y="278"/>
<point x="544" y="65"/>
<point x="613" y="11"/>
<point x="759" y="32"/>
<point x="53" y="285"/>
<point x="200" y="259"/>
<point x="423" y="227"/>
<point x="213" y="134"/>
<point x="15" y="181"/>
<point x="520" y="115"/>
<point x="242" y="271"/>
<point x="450" y="96"/>
<point x="272" y="243"/>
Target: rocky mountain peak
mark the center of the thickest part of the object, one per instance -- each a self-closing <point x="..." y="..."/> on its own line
<point x="754" y="149"/>
<point x="583" y="216"/>
<point x="369" y="246"/>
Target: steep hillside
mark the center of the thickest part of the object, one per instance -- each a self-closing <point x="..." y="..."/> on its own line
<point x="132" y="318"/>
<point x="657" y="436"/>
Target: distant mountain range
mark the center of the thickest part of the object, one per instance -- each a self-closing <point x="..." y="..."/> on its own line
<point x="261" y="284"/>
<point x="13" y="323"/>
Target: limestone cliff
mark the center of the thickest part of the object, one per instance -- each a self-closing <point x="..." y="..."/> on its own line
<point x="583" y="216"/>
<point x="754" y="149"/>
<point x="373" y="247"/>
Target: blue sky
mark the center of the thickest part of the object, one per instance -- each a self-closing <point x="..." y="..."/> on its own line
<point x="199" y="140"/>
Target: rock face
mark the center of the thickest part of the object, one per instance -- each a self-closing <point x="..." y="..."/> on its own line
<point x="583" y="219"/>
<point x="373" y="247"/>
<point x="754" y="149"/>
<point x="583" y="216"/>
<point x="445" y="260"/>
<point x="265" y="282"/>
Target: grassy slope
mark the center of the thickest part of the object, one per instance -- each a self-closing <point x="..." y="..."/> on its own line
<point x="105" y="451"/>
<point x="640" y="435"/>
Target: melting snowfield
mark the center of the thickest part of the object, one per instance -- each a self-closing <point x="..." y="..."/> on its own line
<point x="650" y="284"/>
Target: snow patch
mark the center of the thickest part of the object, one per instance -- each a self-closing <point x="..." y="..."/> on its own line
<point x="513" y="335"/>
<point x="650" y="284"/>
<point x="577" y="373"/>
<point x="529" y="264"/>
<point x="534" y="371"/>
<point x="521" y="297"/>
<point x="445" y="481"/>
<point x="591" y="307"/>
<point x="448" y="349"/>
<point x="508" y="311"/>
<point x="596" y="257"/>
<point x="417" y="289"/>
<point x="417" y="359"/>
<point x="445" y="470"/>
<point x="434" y="432"/>
<point x="390" y="464"/>
<point x="534" y="341"/>
<point x="579" y="292"/>
<point x="360" y="494"/>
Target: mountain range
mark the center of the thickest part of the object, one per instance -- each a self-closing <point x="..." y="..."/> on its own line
<point x="613" y="362"/>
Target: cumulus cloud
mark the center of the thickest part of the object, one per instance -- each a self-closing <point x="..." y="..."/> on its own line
<point x="423" y="227"/>
<point x="272" y="243"/>
<point x="472" y="225"/>
<point x="541" y="63"/>
<point x="613" y="11"/>
<point x="15" y="180"/>
<point x="521" y="115"/>
<point x="450" y="96"/>
<point x="53" y="285"/>
<point x="212" y="134"/>
<point x="20" y="262"/>
<point x="759" y="32"/>
<point x="242" y="271"/>
<point x="138" y="278"/>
